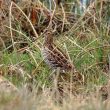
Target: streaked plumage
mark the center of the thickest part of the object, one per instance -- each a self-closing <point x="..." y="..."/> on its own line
<point x="53" y="56"/>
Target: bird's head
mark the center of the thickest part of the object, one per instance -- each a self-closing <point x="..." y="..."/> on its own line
<point x="48" y="36"/>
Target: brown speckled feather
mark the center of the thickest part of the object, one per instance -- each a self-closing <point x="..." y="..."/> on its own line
<point x="55" y="57"/>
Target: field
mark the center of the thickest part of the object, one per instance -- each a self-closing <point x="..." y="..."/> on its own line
<point x="27" y="82"/>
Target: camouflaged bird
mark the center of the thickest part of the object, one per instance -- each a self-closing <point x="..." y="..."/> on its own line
<point x="53" y="56"/>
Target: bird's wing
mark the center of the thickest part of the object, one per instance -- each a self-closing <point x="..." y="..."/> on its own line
<point x="59" y="58"/>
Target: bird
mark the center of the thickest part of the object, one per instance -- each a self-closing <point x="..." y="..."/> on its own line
<point x="53" y="56"/>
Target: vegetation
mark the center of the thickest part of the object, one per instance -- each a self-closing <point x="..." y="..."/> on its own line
<point x="83" y="36"/>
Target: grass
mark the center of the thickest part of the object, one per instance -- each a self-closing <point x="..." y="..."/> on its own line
<point x="87" y="45"/>
<point x="23" y="100"/>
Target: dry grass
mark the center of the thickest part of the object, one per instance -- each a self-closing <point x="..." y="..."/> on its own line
<point x="47" y="100"/>
<point x="85" y="38"/>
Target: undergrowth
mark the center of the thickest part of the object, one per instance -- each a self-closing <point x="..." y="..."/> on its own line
<point x="86" y="43"/>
